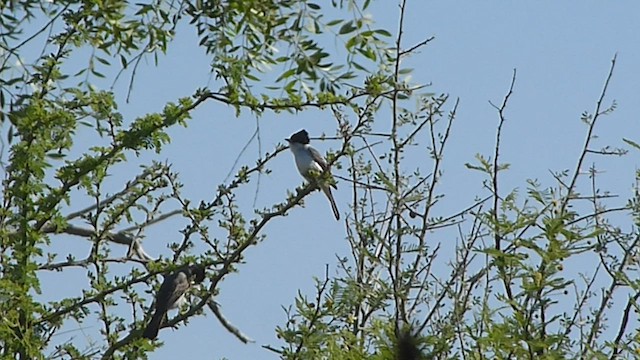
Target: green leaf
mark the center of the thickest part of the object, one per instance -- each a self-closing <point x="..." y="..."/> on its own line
<point x="55" y="156"/>
<point x="347" y="28"/>
<point x="632" y="143"/>
<point x="383" y="32"/>
<point x="358" y="66"/>
<point x="286" y="74"/>
<point x="368" y="53"/>
<point x="103" y="61"/>
<point x="474" y="167"/>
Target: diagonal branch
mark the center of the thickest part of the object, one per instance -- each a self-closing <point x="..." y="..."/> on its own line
<point x="589" y="137"/>
<point x="215" y="308"/>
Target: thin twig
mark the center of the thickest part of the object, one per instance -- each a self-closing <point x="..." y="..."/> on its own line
<point x="496" y="155"/>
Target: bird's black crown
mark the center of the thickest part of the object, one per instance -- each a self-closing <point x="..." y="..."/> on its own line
<point x="197" y="272"/>
<point x="301" y="137"/>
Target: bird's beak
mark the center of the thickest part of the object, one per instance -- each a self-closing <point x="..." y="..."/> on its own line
<point x="288" y="140"/>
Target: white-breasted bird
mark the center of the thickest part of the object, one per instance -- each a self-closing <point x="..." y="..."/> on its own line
<point x="308" y="162"/>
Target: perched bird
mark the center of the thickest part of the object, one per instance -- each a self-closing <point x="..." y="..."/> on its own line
<point x="309" y="160"/>
<point x="171" y="295"/>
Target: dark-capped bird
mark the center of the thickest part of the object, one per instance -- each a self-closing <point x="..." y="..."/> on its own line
<point x="308" y="161"/>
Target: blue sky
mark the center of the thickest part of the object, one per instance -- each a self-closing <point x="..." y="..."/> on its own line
<point x="562" y="52"/>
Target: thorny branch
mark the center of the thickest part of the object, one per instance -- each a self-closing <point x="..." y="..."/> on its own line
<point x="496" y="154"/>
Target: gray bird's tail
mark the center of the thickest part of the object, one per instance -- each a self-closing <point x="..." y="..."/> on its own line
<point x="151" y="332"/>
<point x="334" y="207"/>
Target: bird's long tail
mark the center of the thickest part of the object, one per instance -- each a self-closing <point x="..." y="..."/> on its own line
<point x="334" y="207"/>
<point x="151" y="332"/>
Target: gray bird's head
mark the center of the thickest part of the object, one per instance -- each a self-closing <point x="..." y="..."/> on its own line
<point x="301" y="137"/>
<point x="196" y="272"/>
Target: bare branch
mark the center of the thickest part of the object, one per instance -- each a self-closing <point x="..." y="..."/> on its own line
<point x="589" y="136"/>
<point x="215" y="308"/>
<point x="496" y="155"/>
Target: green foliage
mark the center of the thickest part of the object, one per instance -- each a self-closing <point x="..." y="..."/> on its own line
<point x="511" y="291"/>
<point x="45" y="106"/>
<point x="493" y="280"/>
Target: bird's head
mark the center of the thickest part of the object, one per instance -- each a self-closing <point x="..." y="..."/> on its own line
<point x="301" y="137"/>
<point x="197" y="273"/>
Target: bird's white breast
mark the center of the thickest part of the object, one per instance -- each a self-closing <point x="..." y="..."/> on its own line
<point x="304" y="160"/>
<point x="181" y="301"/>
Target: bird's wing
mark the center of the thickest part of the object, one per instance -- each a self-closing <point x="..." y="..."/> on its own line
<point x="315" y="155"/>
<point x="173" y="287"/>
<point x="180" y="286"/>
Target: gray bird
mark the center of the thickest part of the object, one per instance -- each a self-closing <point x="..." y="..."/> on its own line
<point x="171" y="295"/>
<point x="309" y="160"/>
